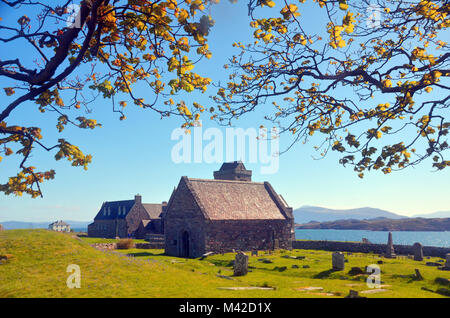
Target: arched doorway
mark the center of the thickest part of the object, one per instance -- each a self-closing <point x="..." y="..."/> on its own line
<point x="185" y="244"/>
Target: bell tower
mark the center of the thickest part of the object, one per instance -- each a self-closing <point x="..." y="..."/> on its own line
<point x="233" y="171"/>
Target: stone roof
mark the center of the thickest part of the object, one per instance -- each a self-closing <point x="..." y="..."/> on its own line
<point x="153" y="210"/>
<point x="59" y="223"/>
<point x="113" y="207"/>
<point x="237" y="200"/>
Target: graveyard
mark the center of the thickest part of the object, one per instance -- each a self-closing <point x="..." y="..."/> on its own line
<point x="35" y="264"/>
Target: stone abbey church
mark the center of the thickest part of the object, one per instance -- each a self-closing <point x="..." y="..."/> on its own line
<point x="229" y="212"/>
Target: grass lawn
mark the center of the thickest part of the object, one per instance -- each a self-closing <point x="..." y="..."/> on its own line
<point x="39" y="259"/>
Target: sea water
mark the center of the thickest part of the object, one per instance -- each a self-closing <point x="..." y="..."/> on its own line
<point x="441" y="239"/>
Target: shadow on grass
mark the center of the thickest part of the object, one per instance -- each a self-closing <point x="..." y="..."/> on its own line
<point x="325" y="274"/>
<point x="223" y="263"/>
<point x="280" y="269"/>
<point x="411" y="278"/>
<point x="443" y="291"/>
<point x="144" y="254"/>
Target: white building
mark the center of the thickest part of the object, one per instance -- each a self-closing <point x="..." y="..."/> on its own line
<point x="59" y="226"/>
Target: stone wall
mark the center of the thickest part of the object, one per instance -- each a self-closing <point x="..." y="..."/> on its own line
<point x="247" y="235"/>
<point x="108" y="228"/>
<point x="113" y="246"/>
<point x="191" y="227"/>
<point x="184" y="217"/>
<point x="134" y="218"/>
<point x="105" y="246"/>
<point x="367" y="248"/>
<point x="150" y="245"/>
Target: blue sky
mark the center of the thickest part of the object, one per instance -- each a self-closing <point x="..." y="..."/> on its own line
<point x="134" y="156"/>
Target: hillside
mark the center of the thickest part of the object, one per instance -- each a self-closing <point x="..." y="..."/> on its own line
<point x="39" y="259"/>
<point x="409" y="224"/>
<point x="307" y="214"/>
<point x="439" y="214"/>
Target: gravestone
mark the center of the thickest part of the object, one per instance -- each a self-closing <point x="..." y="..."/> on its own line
<point x="254" y="253"/>
<point x="353" y="294"/>
<point x="447" y="261"/>
<point x="1" y="227"/>
<point x="240" y="264"/>
<point x="418" y="275"/>
<point x="418" y="252"/>
<point x="390" y="253"/>
<point x="338" y="261"/>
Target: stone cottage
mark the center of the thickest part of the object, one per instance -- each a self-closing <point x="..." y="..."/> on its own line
<point x="59" y="226"/>
<point x="123" y="218"/>
<point x="227" y="213"/>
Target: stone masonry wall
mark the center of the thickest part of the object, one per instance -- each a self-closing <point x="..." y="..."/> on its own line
<point x="367" y="248"/>
<point x="108" y="228"/>
<point x="134" y="217"/>
<point x="174" y="229"/>
<point x="105" y="246"/>
<point x="150" y="245"/>
<point x="247" y="235"/>
<point x="184" y="216"/>
<point x="113" y="246"/>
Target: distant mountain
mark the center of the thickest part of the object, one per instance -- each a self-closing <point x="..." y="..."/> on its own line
<point x="307" y="214"/>
<point x="439" y="214"/>
<point x="383" y="224"/>
<point x="13" y="225"/>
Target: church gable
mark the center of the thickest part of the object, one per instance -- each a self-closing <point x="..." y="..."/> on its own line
<point x="183" y="202"/>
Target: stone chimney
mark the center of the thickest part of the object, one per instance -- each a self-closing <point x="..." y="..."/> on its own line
<point x="233" y="171"/>
<point x="138" y="199"/>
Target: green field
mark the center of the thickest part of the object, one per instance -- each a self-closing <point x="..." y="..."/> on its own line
<point x="38" y="260"/>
